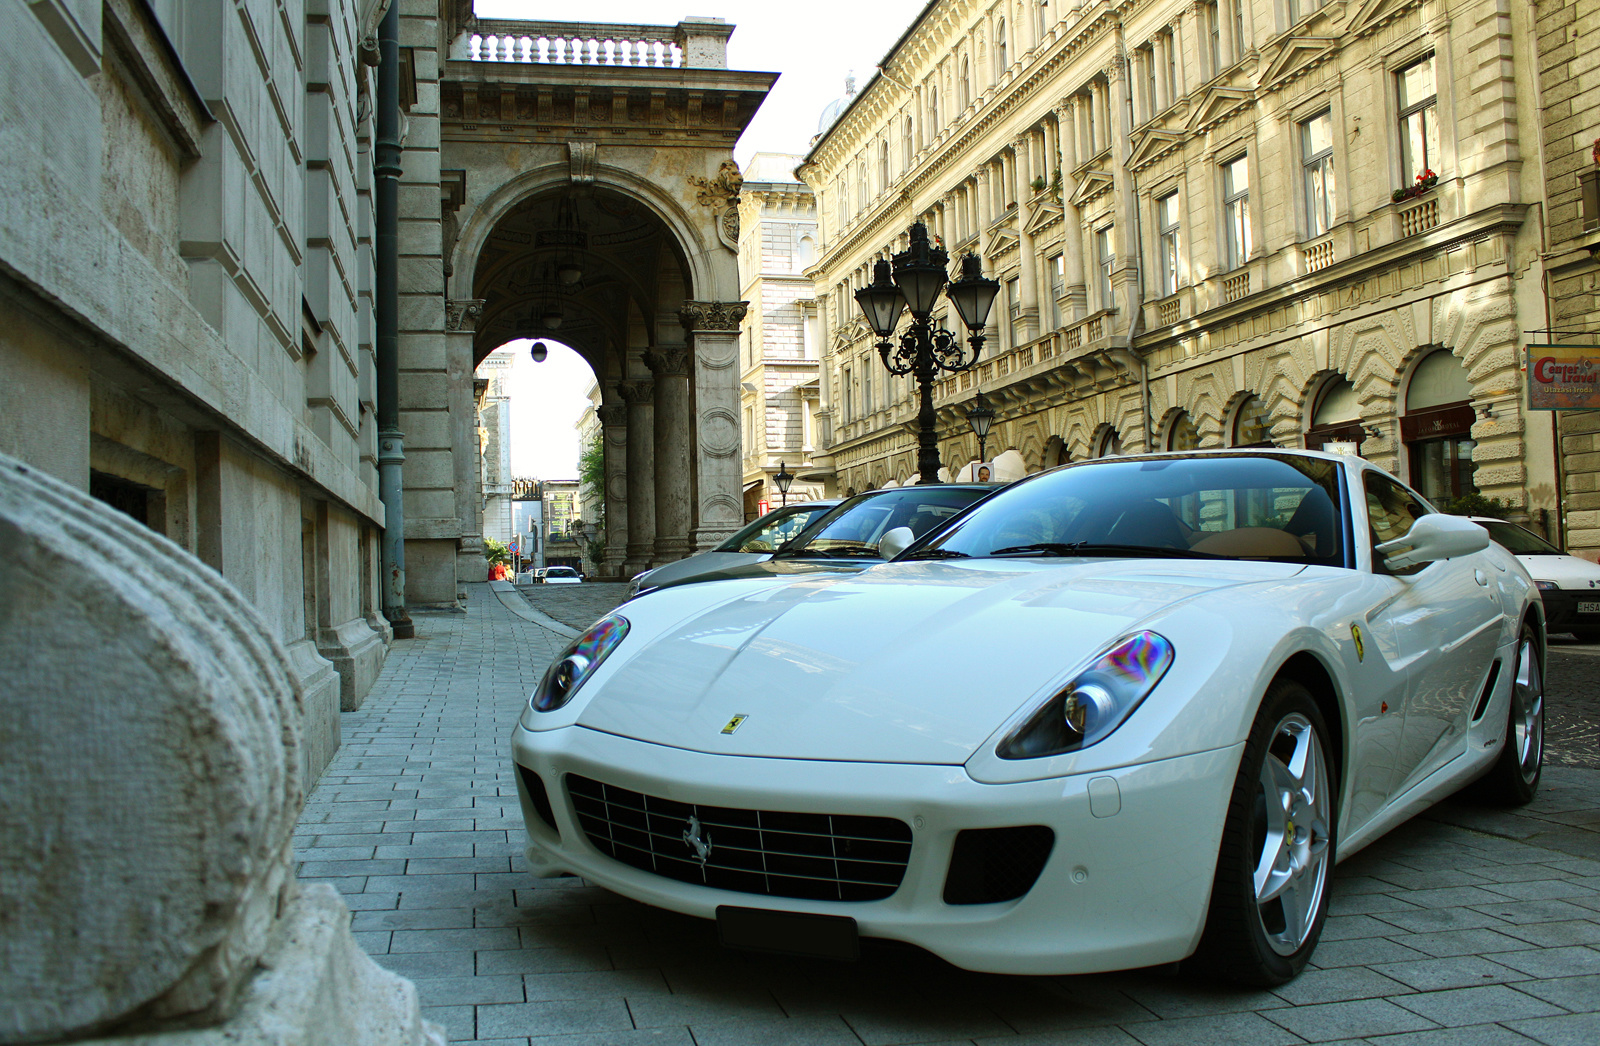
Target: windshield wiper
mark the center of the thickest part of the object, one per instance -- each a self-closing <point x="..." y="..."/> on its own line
<point x="1090" y="548"/>
<point x="839" y="551"/>
<point x="937" y="553"/>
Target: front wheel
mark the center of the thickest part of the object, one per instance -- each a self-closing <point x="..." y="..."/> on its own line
<point x="1270" y="896"/>
<point x="1514" y="779"/>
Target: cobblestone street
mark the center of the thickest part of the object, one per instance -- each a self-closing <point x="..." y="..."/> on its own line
<point x="1464" y="926"/>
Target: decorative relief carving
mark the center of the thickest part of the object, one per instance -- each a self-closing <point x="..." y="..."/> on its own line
<point x="719" y="433"/>
<point x="728" y="227"/>
<point x="462" y="314"/>
<point x="721" y="190"/>
<point x="712" y="315"/>
<point x="672" y="361"/>
<point x="582" y="158"/>
<point x="612" y="414"/>
<point x="721" y="508"/>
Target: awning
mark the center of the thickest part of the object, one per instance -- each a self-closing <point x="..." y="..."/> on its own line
<point x="748" y="487"/>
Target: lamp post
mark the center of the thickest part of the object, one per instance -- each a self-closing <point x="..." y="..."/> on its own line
<point x="980" y="416"/>
<point x="784" y="479"/>
<point x="917" y="277"/>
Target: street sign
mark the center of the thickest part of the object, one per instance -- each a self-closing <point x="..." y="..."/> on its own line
<point x="1563" y="377"/>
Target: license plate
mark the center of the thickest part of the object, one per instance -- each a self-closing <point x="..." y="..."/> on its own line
<point x="1589" y="608"/>
<point x="789" y="933"/>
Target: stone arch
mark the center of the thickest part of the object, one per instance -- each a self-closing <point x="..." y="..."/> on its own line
<point x="1055" y="453"/>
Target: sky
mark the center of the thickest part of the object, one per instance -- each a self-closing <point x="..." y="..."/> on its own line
<point x="813" y="46"/>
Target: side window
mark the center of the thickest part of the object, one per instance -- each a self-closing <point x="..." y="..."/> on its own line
<point x="1391" y="510"/>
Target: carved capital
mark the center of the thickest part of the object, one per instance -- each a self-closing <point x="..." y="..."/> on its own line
<point x="712" y="315"/>
<point x="637" y="392"/>
<point x="669" y="362"/>
<point x="462" y="314"/>
<point x="612" y="414"/>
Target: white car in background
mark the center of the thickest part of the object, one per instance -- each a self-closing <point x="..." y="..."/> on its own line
<point x="561" y="576"/>
<point x="1569" y="586"/>
<point x="1114" y="715"/>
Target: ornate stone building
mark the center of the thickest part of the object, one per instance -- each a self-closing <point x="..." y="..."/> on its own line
<point x="1569" y="33"/>
<point x="778" y="351"/>
<point x="1215" y="224"/>
<point x="186" y="283"/>
<point x="575" y="180"/>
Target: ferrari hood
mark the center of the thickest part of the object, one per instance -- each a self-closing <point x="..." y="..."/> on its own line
<point x="906" y="662"/>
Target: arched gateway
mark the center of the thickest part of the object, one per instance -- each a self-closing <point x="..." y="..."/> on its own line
<point x="587" y="193"/>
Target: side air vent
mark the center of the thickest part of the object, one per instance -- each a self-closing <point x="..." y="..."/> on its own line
<point x="990" y="865"/>
<point x="1488" y="691"/>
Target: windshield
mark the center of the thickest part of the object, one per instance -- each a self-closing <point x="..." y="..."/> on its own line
<point x="854" y="528"/>
<point x="1245" y="506"/>
<point x="773" y="529"/>
<point x="560" y="572"/>
<point x="1519" y="541"/>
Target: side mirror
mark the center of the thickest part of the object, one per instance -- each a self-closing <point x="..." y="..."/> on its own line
<point x="1434" y="537"/>
<point x="895" y="542"/>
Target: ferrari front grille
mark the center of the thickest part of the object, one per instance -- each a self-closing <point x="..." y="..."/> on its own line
<point x="826" y="857"/>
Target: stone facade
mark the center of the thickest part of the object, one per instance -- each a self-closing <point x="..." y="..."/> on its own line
<point x="494" y="444"/>
<point x="186" y="298"/>
<point x="1213" y="225"/>
<point x="1568" y="35"/>
<point x="576" y="181"/>
<point x="779" y="357"/>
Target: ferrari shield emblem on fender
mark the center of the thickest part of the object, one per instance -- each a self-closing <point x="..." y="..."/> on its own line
<point x="1355" y="633"/>
<point x="734" y="723"/>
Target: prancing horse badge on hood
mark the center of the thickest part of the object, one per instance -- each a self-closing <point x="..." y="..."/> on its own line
<point x="734" y="723"/>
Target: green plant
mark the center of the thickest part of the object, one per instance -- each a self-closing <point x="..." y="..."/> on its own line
<point x="1475" y="505"/>
<point x="592" y="467"/>
<point x="496" y="553"/>
<point x="1038" y="184"/>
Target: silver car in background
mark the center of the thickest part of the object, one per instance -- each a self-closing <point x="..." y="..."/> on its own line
<point x="755" y="543"/>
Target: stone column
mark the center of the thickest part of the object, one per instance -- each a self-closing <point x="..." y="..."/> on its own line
<point x="714" y="328"/>
<point x="1027" y="253"/>
<point x="1227" y="46"/>
<point x="639" y="395"/>
<point x="614" y="429"/>
<point x="673" y="444"/>
<point x="1125" y="269"/>
<point x="461" y="321"/>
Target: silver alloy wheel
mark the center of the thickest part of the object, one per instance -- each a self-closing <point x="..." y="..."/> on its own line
<point x="1293" y="815"/>
<point x="1527" y="713"/>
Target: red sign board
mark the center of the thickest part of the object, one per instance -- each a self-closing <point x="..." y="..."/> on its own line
<point x="763" y="507"/>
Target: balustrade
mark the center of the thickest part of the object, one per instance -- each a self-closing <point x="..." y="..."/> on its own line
<point x="575" y="43"/>
<point x="1319" y="256"/>
<point x="1419" y="218"/>
<point x="1236" y="287"/>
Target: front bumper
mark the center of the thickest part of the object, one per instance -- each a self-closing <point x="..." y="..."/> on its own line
<point x="1127" y="883"/>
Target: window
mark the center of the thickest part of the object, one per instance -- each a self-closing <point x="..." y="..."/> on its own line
<point x="1109" y="445"/>
<point x="908" y="145"/>
<point x="933" y="110"/>
<point x="1014" y="310"/>
<point x="883" y="167"/>
<point x="1252" y="424"/>
<point x="1171" y="70"/>
<point x="1147" y="81"/>
<point x="867" y="406"/>
<point x="841" y="191"/>
<point x="1001" y="61"/>
<point x="1058" y="287"/>
<point x="966" y="83"/>
<point x="1240" y="45"/>
<point x="1316" y="158"/>
<point x="1213" y="38"/>
<point x="1337" y="418"/>
<point x="1236" y="210"/>
<point x="846" y="391"/>
<point x="1437" y="428"/>
<point x="1299" y="9"/>
<point x="1419" y="119"/>
<point x="861" y="187"/>
<point x="1183" y="435"/>
<point x="1167" y="230"/>
<point x="1104" y="259"/>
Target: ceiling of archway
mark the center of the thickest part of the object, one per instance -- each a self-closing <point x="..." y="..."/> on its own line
<point x="627" y="260"/>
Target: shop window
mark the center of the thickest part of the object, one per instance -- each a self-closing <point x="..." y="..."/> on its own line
<point x="1337" y="417"/>
<point x="1252" y="424"/>
<point x="1182" y="434"/>
<point x="1436" y="428"/>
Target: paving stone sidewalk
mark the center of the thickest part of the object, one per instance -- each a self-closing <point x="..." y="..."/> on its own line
<point x="1463" y="927"/>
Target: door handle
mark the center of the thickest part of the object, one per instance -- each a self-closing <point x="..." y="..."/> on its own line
<point x="1481" y="578"/>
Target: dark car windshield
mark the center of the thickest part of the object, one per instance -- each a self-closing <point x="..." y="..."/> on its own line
<point x="853" y="529"/>
<point x="1516" y="540"/>
<point x="772" y="530"/>
<point x="1245" y="506"/>
<point x="560" y="572"/>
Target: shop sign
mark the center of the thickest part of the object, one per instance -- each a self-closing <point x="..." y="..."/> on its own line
<point x="1563" y="377"/>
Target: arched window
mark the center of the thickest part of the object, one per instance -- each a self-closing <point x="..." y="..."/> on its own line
<point x="1109" y="445"/>
<point x="883" y="166"/>
<point x="1337" y="417"/>
<point x="1182" y="433"/>
<point x="908" y="144"/>
<point x="1002" y="61"/>
<point x="806" y="254"/>
<point x="1252" y="424"/>
<point x="966" y="83"/>
<point x="933" y="110"/>
<point x="1437" y="428"/>
<point x="861" y="186"/>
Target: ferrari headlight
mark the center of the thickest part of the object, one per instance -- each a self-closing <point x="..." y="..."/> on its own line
<point x="577" y="663"/>
<point x="1095" y="702"/>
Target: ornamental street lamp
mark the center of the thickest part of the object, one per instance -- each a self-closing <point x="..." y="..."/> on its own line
<point x="980" y="416"/>
<point x="784" y="480"/>
<point x="917" y="277"/>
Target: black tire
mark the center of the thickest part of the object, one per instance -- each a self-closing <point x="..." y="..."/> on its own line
<point x="1514" y="778"/>
<point x="1264" y="943"/>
